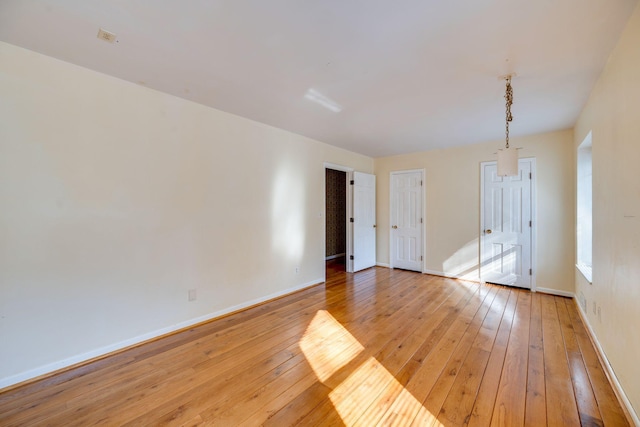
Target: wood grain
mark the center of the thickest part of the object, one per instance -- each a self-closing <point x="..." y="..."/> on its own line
<point x="510" y="400"/>
<point x="608" y="404"/>
<point x="561" y="402"/>
<point x="379" y="347"/>
<point x="483" y="406"/>
<point x="536" y="403"/>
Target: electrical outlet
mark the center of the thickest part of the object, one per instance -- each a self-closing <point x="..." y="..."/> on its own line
<point x="297" y="270"/>
<point x="192" y="295"/>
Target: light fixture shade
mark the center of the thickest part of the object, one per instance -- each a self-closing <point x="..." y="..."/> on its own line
<point x="508" y="162"/>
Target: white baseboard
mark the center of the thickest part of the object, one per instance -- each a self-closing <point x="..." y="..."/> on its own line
<point x="607" y="366"/>
<point x="382" y="264"/>
<point x="102" y="351"/>
<point x="334" y="256"/>
<point x="439" y="273"/>
<point x="450" y="276"/>
<point x="555" y="292"/>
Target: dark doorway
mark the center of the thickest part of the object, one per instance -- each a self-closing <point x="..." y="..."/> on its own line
<point x="336" y="219"/>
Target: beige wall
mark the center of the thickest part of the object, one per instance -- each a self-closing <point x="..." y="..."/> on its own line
<point x="613" y="115"/>
<point x="117" y="199"/>
<point x="452" y="215"/>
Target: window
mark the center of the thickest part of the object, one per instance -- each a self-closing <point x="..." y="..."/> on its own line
<point x="584" y="208"/>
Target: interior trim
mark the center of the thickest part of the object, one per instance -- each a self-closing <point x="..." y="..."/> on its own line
<point x="64" y="365"/>
<point x="632" y="416"/>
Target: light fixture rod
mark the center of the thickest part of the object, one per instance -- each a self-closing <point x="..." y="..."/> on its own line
<point x="508" y="96"/>
<point x="508" y="157"/>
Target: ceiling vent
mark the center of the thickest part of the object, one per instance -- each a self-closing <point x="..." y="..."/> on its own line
<point x="106" y="36"/>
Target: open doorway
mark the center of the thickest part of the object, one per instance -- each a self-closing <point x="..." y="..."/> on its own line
<point x="336" y="220"/>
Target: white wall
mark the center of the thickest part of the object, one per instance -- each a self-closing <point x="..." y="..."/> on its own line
<point x="452" y="216"/>
<point x="117" y="199"/>
<point x="613" y="115"/>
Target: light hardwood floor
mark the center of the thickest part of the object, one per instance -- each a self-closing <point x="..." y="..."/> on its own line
<point x="380" y="347"/>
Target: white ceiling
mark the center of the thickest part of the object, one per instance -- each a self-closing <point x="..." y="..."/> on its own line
<point x="409" y="75"/>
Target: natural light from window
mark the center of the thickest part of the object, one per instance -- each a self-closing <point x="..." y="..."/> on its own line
<point x="463" y="264"/>
<point x="328" y="346"/>
<point x="287" y="216"/>
<point x="584" y="208"/>
<point x="369" y="392"/>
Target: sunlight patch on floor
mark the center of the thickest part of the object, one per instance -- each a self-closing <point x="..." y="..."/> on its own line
<point x="328" y="346"/>
<point x="365" y="396"/>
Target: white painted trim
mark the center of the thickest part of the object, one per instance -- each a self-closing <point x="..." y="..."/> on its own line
<point x="555" y="292"/>
<point x="74" y="360"/>
<point x="330" y="257"/>
<point x="534" y="224"/>
<point x="607" y="366"/>
<point x="382" y="264"/>
<point x="349" y="196"/>
<point x="349" y="206"/>
<point x="333" y="166"/>
<point x="424" y="218"/>
<point x="587" y="272"/>
<point x="390" y="216"/>
<point x="450" y="276"/>
<point x="481" y="223"/>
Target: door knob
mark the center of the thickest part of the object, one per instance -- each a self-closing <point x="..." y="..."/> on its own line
<point x="395" y="226"/>
<point x="487" y="231"/>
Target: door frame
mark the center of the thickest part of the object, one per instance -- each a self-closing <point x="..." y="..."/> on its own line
<point x="423" y="233"/>
<point x="534" y="222"/>
<point x="349" y="199"/>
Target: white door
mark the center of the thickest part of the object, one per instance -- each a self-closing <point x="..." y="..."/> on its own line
<point x="364" y="221"/>
<point x="406" y="220"/>
<point x="505" y="237"/>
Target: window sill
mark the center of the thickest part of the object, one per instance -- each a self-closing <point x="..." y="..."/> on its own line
<point x="586" y="272"/>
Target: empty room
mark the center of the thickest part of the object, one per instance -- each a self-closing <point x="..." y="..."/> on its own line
<point x="247" y="213"/>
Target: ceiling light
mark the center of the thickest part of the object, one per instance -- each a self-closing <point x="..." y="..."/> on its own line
<point x="508" y="156"/>
<point x="106" y="35"/>
<point x="318" y="98"/>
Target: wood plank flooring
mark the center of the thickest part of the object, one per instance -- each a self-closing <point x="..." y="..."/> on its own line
<point x="380" y="347"/>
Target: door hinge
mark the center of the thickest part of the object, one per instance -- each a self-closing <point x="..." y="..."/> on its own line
<point x="350" y="219"/>
<point x="529" y="223"/>
<point x="420" y="183"/>
<point x="351" y="182"/>
<point x="350" y="256"/>
<point x="530" y="175"/>
<point x="420" y="220"/>
<point x="420" y="257"/>
<point x="530" y="272"/>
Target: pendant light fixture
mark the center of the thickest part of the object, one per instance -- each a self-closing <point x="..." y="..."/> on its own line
<point x="508" y="156"/>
